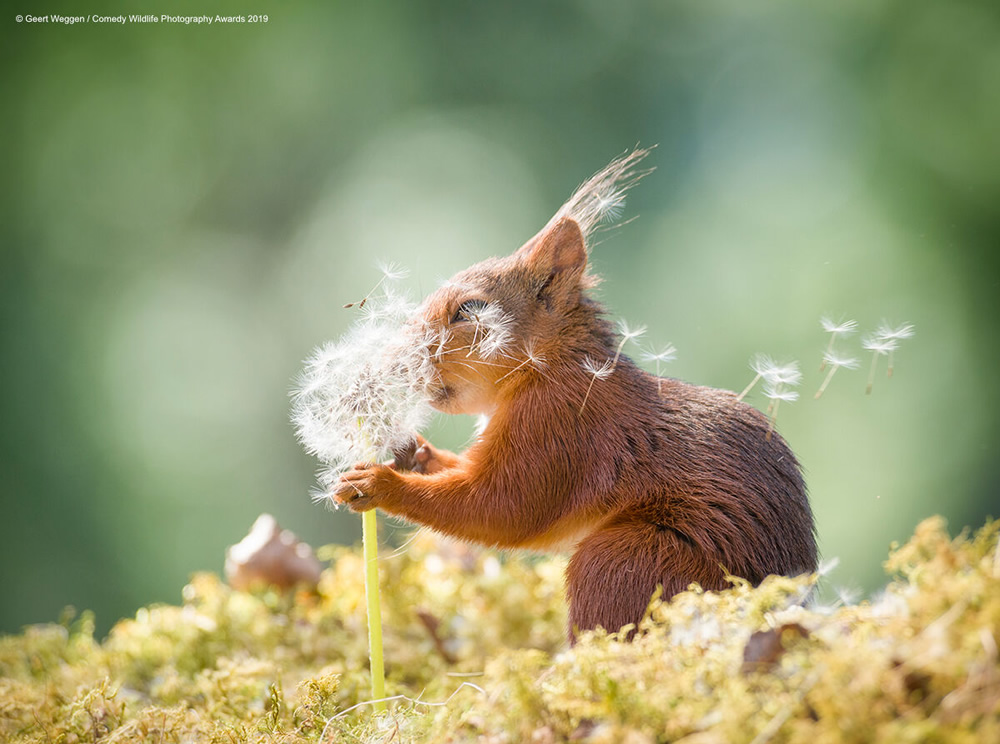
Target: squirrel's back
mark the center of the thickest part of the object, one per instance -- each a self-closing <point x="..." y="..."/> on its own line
<point x="691" y="459"/>
<point x="702" y="489"/>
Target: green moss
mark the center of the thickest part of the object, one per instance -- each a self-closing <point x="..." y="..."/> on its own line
<point x="486" y="639"/>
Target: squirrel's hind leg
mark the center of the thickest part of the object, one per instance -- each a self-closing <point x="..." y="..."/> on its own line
<point x="615" y="571"/>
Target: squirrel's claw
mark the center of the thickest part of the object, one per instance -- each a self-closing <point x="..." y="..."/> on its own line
<point x="361" y="504"/>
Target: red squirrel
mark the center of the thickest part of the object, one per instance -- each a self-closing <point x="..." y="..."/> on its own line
<point x="648" y="481"/>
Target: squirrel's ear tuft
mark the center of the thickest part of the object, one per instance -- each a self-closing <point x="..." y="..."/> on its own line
<point x="558" y="249"/>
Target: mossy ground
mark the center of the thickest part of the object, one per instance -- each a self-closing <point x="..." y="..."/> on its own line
<point x="918" y="664"/>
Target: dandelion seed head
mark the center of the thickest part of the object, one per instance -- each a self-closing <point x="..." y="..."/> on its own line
<point x="364" y="396"/>
<point x="835" y="359"/>
<point x="887" y="332"/>
<point x="879" y="345"/>
<point x="844" y="328"/>
<point x="599" y="371"/>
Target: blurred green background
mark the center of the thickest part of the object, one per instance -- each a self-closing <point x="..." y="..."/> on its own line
<point x="186" y="208"/>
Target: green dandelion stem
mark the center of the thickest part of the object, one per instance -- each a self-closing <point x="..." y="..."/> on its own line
<point x="369" y="537"/>
<point x="369" y="541"/>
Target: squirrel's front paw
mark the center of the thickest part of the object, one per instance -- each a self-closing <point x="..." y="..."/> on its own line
<point x="363" y="487"/>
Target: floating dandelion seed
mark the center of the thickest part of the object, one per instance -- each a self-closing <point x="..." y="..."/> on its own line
<point x="365" y="396"/>
<point x="601" y="198"/>
<point x="878" y="346"/>
<point x="848" y="595"/>
<point x="437" y="340"/>
<point x="835" y="361"/>
<point x="776" y="388"/>
<point x="762" y="365"/>
<point x="605" y="369"/>
<point x="888" y="333"/>
<point x="844" y="328"/>
<point x="492" y="335"/>
<point x="597" y="372"/>
<point x="666" y="355"/>
<point x="390" y="272"/>
<point x="884" y="330"/>
<point x="609" y="207"/>
<point x="777" y="379"/>
<point x="785" y="374"/>
<point x="628" y="334"/>
<point x="827" y="566"/>
<point x="390" y="305"/>
<point x="532" y="357"/>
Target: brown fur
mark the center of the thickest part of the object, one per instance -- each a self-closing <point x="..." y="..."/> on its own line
<point x="651" y="483"/>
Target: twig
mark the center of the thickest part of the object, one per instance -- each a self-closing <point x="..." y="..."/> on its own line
<point x="432" y="624"/>
<point x="412" y="701"/>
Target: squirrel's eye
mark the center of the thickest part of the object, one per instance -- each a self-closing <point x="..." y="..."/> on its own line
<point x="468" y="310"/>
